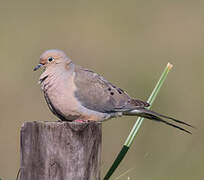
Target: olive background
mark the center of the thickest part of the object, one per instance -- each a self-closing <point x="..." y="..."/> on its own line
<point x="129" y="43"/>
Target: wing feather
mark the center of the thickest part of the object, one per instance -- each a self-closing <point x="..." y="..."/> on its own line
<point x="96" y="93"/>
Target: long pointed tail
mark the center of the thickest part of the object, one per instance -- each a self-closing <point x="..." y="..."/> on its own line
<point x="142" y="112"/>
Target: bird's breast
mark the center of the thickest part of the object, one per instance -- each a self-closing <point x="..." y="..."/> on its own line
<point x="60" y="96"/>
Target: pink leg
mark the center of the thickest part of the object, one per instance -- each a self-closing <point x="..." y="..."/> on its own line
<point x="80" y="121"/>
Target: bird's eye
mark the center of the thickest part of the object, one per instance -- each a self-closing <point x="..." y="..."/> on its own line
<point x="50" y="59"/>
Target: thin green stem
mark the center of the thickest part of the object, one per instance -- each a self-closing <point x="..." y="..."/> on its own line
<point x="150" y="100"/>
<point x="137" y="124"/>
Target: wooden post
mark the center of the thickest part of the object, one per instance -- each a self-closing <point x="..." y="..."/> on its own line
<point x="60" y="151"/>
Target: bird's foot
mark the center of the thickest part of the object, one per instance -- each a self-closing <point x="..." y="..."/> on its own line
<point x="80" y="121"/>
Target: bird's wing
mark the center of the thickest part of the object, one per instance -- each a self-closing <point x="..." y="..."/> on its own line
<point x="96" y="93"/>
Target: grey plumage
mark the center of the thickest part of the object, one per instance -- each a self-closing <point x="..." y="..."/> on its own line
<point x="75" y="93"/>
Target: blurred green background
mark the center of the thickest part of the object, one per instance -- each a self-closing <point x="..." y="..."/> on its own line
<point x="129" y="42"/>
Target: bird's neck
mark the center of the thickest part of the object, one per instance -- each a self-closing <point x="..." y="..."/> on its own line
<point x="55" y="74"/>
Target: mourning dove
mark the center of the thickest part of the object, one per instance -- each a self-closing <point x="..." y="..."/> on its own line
<point x="74" y="93"/>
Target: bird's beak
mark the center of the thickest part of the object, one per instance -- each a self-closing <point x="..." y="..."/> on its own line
<point x="37" y="67"/>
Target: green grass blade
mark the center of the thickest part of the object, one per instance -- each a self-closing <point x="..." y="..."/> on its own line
<point x="151" y="99"/>
<point x="137" y="124"/>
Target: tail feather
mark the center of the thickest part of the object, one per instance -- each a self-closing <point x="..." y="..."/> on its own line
<point x="157" y="117"/>
<point x="167" y="117"/>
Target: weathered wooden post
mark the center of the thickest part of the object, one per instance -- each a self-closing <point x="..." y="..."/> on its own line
<point x="60" y="151"/>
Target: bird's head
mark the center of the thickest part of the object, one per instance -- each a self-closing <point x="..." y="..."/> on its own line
<point x="51" y="57"/>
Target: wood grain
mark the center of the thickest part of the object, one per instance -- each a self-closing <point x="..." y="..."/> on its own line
<point x="60" y="151"/>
